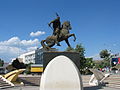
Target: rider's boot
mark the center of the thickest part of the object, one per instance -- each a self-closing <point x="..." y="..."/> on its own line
<point x="57" y="42"/>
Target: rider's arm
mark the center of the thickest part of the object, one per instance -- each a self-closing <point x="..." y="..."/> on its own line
<point x="54" y="20"/>
<point x="50" y="22"/>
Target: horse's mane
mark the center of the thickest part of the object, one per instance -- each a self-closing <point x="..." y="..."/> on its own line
<point x="65" y="22"/>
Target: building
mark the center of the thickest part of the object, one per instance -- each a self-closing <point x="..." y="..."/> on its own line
<point x="28" y="57"/>
<point x="39" y="55"/>
<point x="35" y="57"/>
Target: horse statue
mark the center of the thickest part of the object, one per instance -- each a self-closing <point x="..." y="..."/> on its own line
<point x="64" y="35"/>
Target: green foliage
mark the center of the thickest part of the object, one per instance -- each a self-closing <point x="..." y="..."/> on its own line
<point x="70" y="49"/>
<point x="104" y="54"/>
<point x="18" y="65"/>
<point x="89" y="63"/>
<point x="1" y="62"/>
<point x="81" y="50"/>
<point x="106" y="57"/>
<point x="85" y="63"/>
<point x="99" y="64"/>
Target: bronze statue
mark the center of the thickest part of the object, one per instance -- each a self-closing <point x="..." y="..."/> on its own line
<point x="64" y="34"/>
<point x="56" y="25"/>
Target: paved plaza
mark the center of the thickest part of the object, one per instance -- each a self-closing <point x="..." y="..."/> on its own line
<point x="37" y="88"/>
<point x="86" y="78"/>
<point x="23" y="88"/>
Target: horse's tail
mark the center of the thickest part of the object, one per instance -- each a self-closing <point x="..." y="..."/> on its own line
<point x="43" y="44"/>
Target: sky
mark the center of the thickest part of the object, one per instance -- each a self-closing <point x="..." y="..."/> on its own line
<point x="24" y="23"/>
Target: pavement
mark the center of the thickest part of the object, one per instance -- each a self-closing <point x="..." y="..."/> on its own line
<point x="99" y="88"/>
<point x="86" y="86"/>
<point x="22" y="88"/>
<point x="37" y="88"/>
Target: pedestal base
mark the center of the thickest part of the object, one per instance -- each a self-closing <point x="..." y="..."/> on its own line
<point x="61" y="74"/>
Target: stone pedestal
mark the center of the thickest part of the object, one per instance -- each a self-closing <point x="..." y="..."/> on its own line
<point x="61" y="74"/>
<point x="48" y="56"/>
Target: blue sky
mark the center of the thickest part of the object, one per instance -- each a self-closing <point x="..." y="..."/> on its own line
<point x="96" y="24"/>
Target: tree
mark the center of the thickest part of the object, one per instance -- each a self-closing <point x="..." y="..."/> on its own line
<point x="18" y="65"/>
<point x="106" y="57"/>
<point x="104" y="54"/>
<point x="81" y="50"/>
<point x="99" y="63"/>
<point x="1" y="62"/>
<point x="70" y="49"/>
<point x="89" y="63"/>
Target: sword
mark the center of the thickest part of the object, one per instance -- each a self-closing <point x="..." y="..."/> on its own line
<point x="57" y="14"/>
<point x="50" y="26"/>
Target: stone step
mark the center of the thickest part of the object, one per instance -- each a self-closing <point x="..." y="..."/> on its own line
<point x="112" y="79"/>
<point x="114" y="83"/>
<point x="5" y="87"/>
<point x="85" y="84"/>
<point x="113" y="86"/>
<point x="4" y="84"/>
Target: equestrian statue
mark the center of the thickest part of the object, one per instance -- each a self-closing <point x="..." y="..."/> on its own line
<point x="60" y="33"/>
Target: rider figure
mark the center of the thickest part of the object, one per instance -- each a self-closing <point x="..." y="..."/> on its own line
<point x="56" y="24"/>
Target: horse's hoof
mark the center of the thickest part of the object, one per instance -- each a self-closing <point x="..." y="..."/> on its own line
<point x="74" y="39"/>
<point x="58" y="44"/>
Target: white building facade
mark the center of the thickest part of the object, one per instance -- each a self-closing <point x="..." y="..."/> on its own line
<point x="28" y="57"/>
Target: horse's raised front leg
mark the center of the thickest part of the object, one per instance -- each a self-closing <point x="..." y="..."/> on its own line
<point x="69" y="35"/>
<point x="66" y="40"/>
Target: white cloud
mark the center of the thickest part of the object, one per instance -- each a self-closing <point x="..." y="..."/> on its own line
<point x="38" y="33"/>
<point x="31" y="48"/>
<point x="29" y="42"/>
<point x="11" y="41"/>
<point x="14" y="46"/>
<point x="8" y="50"/>
<point x="15" y="41"/>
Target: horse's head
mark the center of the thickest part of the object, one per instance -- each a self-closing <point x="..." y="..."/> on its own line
<point x="66" y="25"/>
